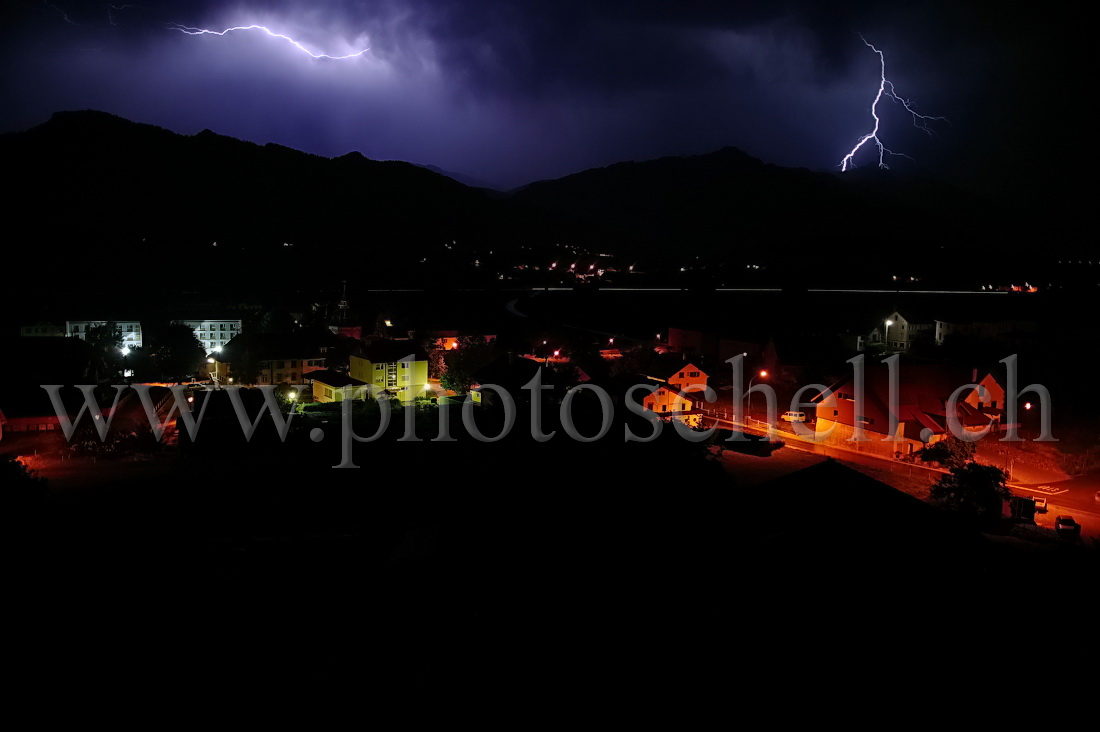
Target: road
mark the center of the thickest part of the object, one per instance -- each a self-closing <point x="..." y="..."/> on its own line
<point x="1077" y="496"/>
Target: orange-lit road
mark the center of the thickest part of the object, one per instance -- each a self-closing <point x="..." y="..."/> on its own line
<point x="1078" y="500"/>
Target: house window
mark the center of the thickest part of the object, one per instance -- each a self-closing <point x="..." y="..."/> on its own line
<point x="693" y="374"/>
<point x="404" y="364"/>
<point x="836" y="412"/>
<point x="681" y="374"/>
<point x="664" y="407"/>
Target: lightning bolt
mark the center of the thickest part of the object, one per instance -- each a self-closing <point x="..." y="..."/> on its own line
<point x="59" y="12"/>
<point x="886" y="88"/>
<point x="203" y="32"/>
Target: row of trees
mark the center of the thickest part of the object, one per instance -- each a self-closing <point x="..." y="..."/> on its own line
<point x="171" y="353"/>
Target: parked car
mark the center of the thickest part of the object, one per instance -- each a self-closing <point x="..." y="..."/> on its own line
<point x="1066" y="526"/>
<point x="793" y="417"/>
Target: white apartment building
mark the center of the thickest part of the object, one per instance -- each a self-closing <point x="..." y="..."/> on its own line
<point x="131" y="330"/>
<point x="214" y="334"/>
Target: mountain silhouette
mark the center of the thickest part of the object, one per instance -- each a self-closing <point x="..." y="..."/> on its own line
<point x="96" y="185"/>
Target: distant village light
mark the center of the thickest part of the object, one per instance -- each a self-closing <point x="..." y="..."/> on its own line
<point x="1027" y="405"/>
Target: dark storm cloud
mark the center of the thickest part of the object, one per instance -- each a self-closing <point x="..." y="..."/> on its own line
<point x="512" y="91"/>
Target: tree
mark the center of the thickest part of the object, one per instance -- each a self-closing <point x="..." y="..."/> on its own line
<point x="950" y="452"/>
<point x="246" y="366"/>
<point x="972" y="488"/>
<point x="23" y="489"/>
<point x="436" y="365"/>
<point x="104" y="350"/>
<point x="463" y="363"/>
<point x="276" y="321"/>
<point x="176" y="353"/>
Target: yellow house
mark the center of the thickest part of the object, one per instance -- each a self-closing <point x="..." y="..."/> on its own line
<point x="332" y="386"/>
<point x="397" y="367"/>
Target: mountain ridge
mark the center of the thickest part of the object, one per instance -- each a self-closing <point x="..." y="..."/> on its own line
<point x="121" y="187"/>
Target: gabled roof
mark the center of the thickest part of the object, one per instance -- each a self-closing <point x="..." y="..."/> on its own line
<point x="669" y="365"/>
<point x="922" y="399"/>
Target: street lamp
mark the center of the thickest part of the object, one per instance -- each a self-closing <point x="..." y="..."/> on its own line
<point x="763" y="374"/>
<point x="211" y="360"/>
<point x="886" y="339"/>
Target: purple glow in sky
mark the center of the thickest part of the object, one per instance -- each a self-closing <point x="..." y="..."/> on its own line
<point x="510" y="92"/>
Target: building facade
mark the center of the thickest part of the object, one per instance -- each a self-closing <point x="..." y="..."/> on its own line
<point x="42" y="330"/>
<point x="131" y="330"/>
<point x="398" y="367"/>
<point x="214" y="334"/>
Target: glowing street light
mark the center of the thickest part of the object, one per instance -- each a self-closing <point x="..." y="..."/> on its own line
<point x="211" y="360"/>
<point x="763" y="374"/>
<point x="886" y="338"/>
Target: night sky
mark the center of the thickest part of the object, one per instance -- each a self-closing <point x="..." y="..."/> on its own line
<point x="509" y="92"/>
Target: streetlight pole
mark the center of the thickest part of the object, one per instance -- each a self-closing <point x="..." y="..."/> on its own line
<point x="886" y="339"/>
<point x="214" y="361"/>
<point x="763" y="374"/>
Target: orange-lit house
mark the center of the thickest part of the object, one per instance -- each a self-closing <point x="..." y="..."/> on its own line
<point x="680" y="396"/>
<point x="921" y="409"/>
